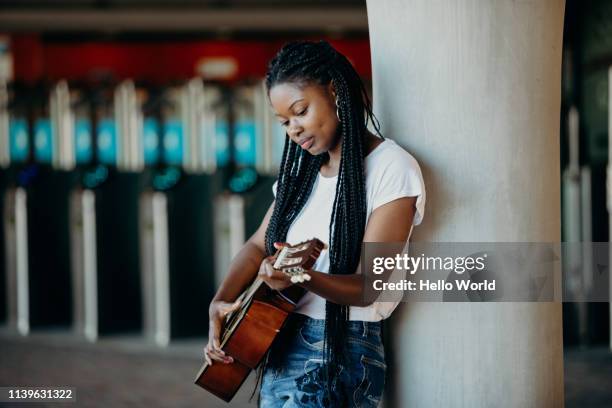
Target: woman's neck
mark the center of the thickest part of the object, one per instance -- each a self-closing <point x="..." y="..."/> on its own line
<point x="331" y="168"/>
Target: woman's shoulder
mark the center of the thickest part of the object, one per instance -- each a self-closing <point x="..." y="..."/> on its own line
<point x="390" y="156"/>
<point x="394" y="173"/>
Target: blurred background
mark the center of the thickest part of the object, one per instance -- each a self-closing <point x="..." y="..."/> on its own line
<point x="137" y="153"/>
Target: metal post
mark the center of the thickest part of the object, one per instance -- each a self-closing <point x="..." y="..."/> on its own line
<point x="62" y="119"/>
<point x="609" y="183"/>
<point x="5" y="158"/>
<point x="129" y="126"/>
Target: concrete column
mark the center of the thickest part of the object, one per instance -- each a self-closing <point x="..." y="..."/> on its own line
<point x="472" y="89"/>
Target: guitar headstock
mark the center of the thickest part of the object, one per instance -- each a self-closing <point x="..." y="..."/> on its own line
<point x="296" y="259"/>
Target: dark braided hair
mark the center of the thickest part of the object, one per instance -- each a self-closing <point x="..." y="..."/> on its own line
<point x="317" y="63"/>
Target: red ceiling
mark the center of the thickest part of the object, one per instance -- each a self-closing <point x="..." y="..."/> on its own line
<point x="159" y="62"/>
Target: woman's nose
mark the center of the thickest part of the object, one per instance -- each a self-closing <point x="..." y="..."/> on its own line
<point x="294" y="131"/>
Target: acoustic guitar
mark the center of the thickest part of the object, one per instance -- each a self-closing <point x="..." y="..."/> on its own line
<point x="249" y="331"/>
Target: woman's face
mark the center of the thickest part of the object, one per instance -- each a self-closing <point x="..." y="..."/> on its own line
<point x="308" y="114"/>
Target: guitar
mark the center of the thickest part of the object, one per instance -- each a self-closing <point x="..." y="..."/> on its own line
<point x="249" y="330"/>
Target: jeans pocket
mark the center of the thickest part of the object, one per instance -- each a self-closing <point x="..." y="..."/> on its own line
<point x="311" y="342"/>
<point x="370" y="389"/>
<point x="372" y="346"/>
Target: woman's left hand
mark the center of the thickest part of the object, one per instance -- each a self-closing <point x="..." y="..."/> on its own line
<point x="274" y="278"/>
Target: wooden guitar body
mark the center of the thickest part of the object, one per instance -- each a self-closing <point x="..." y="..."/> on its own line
<point x="249" y="332"/>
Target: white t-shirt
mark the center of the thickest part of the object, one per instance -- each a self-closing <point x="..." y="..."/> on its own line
<point x="390" y="173"/>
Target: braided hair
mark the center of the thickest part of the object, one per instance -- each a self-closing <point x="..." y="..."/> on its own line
<point x="308" y="63"/>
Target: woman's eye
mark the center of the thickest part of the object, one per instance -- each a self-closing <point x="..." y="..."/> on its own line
<point x="302" y="112"/>
<point x="285" y="123"/>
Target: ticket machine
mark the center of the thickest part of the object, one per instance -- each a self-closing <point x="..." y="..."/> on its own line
<point x="36" y="209"/>
<point x="177" y="266"/>
<point x="4" y="164"/>
<point x="48" y="209"/>
<point x="258" y="141"/>
<point x="104" y="218"/>
<point x="14" y="156"/>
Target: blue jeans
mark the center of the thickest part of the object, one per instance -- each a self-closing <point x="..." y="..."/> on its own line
<point x="298" y="377"/>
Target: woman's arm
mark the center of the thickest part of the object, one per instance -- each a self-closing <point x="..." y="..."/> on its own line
<point x="245" y="264"/>
<point x="388" y="223"/>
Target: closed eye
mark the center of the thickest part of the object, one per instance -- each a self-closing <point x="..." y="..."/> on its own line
<point x="301" y="113"/>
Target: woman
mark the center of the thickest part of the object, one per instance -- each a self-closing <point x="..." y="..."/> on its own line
<point x="344" y="185"/>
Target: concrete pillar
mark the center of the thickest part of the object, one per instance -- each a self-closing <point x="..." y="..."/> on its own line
<point x="472" y="88"/>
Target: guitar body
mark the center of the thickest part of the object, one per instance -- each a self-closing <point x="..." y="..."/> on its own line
<point x="249" y="333"/>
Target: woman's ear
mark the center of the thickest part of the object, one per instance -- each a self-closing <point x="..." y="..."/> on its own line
<point x="331" y="89"/>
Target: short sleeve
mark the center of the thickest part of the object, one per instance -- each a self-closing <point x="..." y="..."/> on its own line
<point x="400" y="176"/>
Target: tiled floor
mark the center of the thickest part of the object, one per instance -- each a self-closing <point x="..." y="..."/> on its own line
<point x="125" y="372"/>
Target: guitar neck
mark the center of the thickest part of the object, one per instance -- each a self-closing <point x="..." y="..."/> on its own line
<point x="289" y="296"/>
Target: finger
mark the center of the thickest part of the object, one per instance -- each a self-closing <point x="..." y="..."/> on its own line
<point x="216" y="346"/>
<point x="217" y="357"/>
<point x="208" y="360"/>
<point x="279" y="245"/>
<point x="212" y="352"/>
<point x="207" y="354"/>
<point x="270" y="272"/>
<point x="268" y="281"/>
<point x="214" y="340"/>
<point x="227" y="308"/>
<point x="263" y="271"/>
<point x="232" y="306"/>
<point x="278" y="275"/>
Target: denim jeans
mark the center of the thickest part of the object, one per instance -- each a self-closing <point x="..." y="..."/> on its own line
<point x="297" y="379"/>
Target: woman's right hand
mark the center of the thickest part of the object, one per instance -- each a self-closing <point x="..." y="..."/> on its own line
<point x="216" y="313"/>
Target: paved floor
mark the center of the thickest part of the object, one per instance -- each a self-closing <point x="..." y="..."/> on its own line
<point x="126" y="372"/>
<point x="122" y="372"/>
<point x="588" y="378"/>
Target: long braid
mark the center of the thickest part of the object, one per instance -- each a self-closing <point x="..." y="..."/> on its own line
<point x="349" y="216"/>
<point x="319" y="63"/>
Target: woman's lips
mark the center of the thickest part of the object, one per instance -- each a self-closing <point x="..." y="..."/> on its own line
<point x="307" y="144"/>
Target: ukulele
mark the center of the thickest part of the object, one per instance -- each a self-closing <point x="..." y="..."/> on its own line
<point x="249" y="330"/>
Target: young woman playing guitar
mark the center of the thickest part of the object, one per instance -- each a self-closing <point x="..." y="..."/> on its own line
<point x="342" y="184"/>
